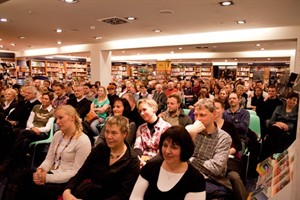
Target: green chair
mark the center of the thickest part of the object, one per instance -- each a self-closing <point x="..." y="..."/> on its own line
<point x="186" y="111"/>
<point x="251" y="112"/>
<point x="45" y="141"/>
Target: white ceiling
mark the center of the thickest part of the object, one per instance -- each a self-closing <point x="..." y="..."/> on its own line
<point x="36" y="20"/>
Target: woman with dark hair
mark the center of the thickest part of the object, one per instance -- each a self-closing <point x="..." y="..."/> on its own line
<point x="171" y="176"/>
<point x="281" y="132"/>
<point x="121" y="107"/>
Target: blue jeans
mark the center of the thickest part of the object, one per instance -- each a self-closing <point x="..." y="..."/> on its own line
<point x="95" y="124"/>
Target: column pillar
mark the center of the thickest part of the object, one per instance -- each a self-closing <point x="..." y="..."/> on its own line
<point x="100" y="66"/>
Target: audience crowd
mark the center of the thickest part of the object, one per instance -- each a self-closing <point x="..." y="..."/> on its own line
<point x="163" y="139"/>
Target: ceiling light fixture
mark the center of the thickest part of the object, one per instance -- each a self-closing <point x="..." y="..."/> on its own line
<point x="258" y="45"/>
<point x="4" y="20"/>
<point x="241" y="22"/>
<point x="98" y="37"/>
<point x="59" y="42"/>
<point x="58" y="30"/>
<point x="70" y="1"/>
<point x="156" y="30"/>
<point x="226" y="3"/>
<point x="13" y="44"/>
<point x="1" y="46"/>
<point x="21" y="37"/>
<point x="131" y="18"/>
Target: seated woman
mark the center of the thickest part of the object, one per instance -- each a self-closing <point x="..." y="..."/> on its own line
<point x="111" y="169"/>
<point x="148" y="134"/>
<point x="38" y="126"/>
<point x="171" y="177"/>
<point x="282" y="127"/>
<point x="121" y="107"/>
<point x="67" y="152"/>
<point x="100" y="105"/>
<point x="10" y="101"/>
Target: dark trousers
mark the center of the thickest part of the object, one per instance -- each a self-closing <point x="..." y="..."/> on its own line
<point x="276" y="141"/>
<point x="20" y="147"/>
<point x="21" y="186"/>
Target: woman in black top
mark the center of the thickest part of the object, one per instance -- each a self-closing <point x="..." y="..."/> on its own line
<point x="171" y="177"/>
<point x="111" y="169"/>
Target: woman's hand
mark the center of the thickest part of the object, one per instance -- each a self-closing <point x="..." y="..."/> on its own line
<point x="282" y="126"/>
<point x="68" y="196"/>
<point x="36" y="130"/>
<point x="39" y="177"/>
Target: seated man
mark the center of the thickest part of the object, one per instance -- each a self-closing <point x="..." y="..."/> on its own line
<point x="174" y="114"/>
<point x="212" y="147"/>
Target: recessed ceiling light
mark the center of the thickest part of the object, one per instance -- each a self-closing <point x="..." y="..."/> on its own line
<point x="262" y="49"/>
<point x="157" y="30"/>
<point x="59" y="42"/>
<point x="70" y="1"/>
<point x="13" y="44"/>
<point x="172" y="52"/>
<point x="180" y="48"/>
<point x="226" y="3"/>
<point x="98" y="37"/>
<point x="4" y="20"/>
<point x="241" y="22"/>
<point x="58" y="30"/>
<point x="1" y="46"/>
<point x="21" y="37"/>
<point x="131" y="18"/>
<point x="166" y="12"/>
<point x="258" y="45"/>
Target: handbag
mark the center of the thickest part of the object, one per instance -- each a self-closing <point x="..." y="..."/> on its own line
<point x="91" y="116"/>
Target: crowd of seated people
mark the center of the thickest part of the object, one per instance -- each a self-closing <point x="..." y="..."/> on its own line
<point x="132" y="118"/>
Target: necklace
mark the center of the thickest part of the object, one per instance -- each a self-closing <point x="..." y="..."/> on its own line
<point x="57" y="159"/>
<point x="112" y="156"/>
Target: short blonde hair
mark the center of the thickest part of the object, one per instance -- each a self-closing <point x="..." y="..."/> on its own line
<point x="119" y="121"/>
<point x="150" y="102"/>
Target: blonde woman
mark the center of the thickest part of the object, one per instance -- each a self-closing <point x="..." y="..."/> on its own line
<point x="10" y="101"/>
<point x="67" y="153"/>
<point x="100" y="106"/>
<point x="148" y="134"/>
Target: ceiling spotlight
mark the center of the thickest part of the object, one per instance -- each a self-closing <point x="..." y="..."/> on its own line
<point x="226" y="3"/>
<point x="70" y="1"/>
<point x="156" y="30"/>
<point x="58" y="30"/>
<point x="4" y="20"/>
<point x="131" y="18"/>
<point x="1" y="46"/>
<point x="180" y="48"/>
<point x="98" y="37"/>
<point x="21" y="37"/>
<point x="13" y="44"/>
<point x="59" y="42"/>
<point x="258" y="45"/>
<point x="241" y="22"/>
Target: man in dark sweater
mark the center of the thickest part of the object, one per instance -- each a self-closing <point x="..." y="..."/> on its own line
<point x="270" y="103"/>
<point x="80" y="103"/>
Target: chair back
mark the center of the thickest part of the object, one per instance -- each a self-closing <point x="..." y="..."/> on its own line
<point x="45" y="141"/>
<point x="251" y="112"/>
<point x="186" y="111"/>
<point x="254" y="125"/>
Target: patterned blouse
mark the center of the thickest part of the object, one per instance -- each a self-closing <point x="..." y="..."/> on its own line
<point x="149" y="144"/>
